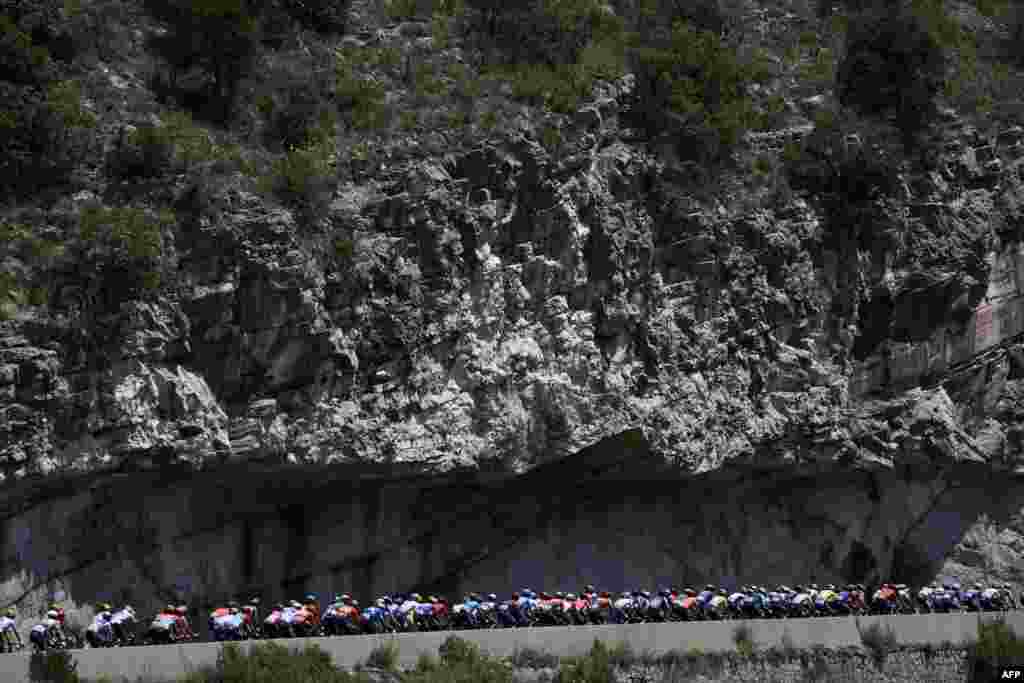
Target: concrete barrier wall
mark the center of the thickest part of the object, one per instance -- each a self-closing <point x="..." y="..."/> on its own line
<point x="169" y="661"/>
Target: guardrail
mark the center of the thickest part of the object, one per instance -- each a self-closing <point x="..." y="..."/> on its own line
<point x="160" y="662"/>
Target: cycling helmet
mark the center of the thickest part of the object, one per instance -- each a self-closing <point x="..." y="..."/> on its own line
<point x="10" y="612"/>
<point x="355" y="603"/>
<point x="977" y="586"/>
<point x="830" y="587"/>
<point x="234" y="610"/>
<point x="709" y="587"/>
<point x="296" y="604"/>
<point x="646" y="594"/>
<point x="588" y="588"/>
<point x="380" y="602"/>
<point x="184" y="610"/>
<point x="311" y="597"/>
<point x="52" y="614"/>
<point x="560" y="594"/>
<point x="721" y="591"/>
<point x="492" y="597"/>
<point x="570" y="596"/>
<point x="417" y="597"/>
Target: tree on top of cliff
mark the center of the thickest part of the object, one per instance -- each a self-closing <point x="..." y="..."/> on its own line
<point x="220" y="38"/>
<point x="896" y="62"/>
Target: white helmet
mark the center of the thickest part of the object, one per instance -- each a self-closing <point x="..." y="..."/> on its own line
<point x="52" y="614"/>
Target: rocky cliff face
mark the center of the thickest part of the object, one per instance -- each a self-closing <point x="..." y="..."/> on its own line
<point x="530" y="366"/>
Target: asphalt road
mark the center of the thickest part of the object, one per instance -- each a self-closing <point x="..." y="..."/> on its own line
<point x="170" y="661"/>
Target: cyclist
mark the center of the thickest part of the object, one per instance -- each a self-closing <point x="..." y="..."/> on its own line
<point x="718" y="604"/>
<point x="425" y="612"/>
<point x="161" y="629"/>
<point x="689" y="604"/>
<point x="61" y="616"/>
<point x="704" y="597"/>
<point x="736" y="600"/>
<point x="1006" y="597"/>
<point x="7" y="628"/>
<point x="251" y="617"/>
<point x="100" y="632"/>
<point x="273" y="624"/>
<point x="407" y="610"/>
<point x="182" y="624"/>
<point x="229" y="626"/>
<point x="123" y="624"/>
<point x="216" y="614"/>
<point x="488" y="609"/>
<point x="40" y="633"/>
<point x="825" y="601"/>
<point x="990" y="599"/>
<point x="924" y="596"/>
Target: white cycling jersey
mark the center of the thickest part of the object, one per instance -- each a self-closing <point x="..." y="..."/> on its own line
<point x="228" y="621"/>
<point x="989" y="593"/>
<point x="622" y="603"/>
<point x="121" y="616"/>
<point x="100" y="621"/>
<point x="408" y="606"/>
<point x="46" y="625"/>
<point x="7" y="624"/>
<point x="736" y="597"/>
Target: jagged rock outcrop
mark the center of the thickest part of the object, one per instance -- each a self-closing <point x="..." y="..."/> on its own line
<point x="515" y="366"/>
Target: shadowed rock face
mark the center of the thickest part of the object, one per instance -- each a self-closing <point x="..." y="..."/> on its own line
<point x="609" y="516"/>
<point x="524" y="368"/>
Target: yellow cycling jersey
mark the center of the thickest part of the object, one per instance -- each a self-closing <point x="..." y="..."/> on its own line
<point x="828" y="596"/>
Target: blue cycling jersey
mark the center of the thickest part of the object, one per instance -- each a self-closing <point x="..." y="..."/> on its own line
<point x="472" y="604"/>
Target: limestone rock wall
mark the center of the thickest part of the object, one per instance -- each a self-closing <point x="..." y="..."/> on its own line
<point x="350" y="403"/>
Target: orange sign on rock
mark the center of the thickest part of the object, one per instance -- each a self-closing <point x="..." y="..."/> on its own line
<point x="982" y="326"/>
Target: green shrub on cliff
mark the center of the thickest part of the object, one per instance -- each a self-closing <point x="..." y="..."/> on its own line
<point x="460" y="662"/>
<point x="53" y="666"/>
<point x="548" y="32"/>
<point x="594" y="667"/>
<point x="997" y="645"/>
<point x="220" y="38"/>
<point x="46" y="133"/>
<point x="125" y="245"/>
<point x="273" y="663"/>
<point x="896" y="63"/>
<point x="384" y="657"/>
<point x="694" y="85"/>
<point x="878" y="642"/>
<point x="303" y="177"/>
